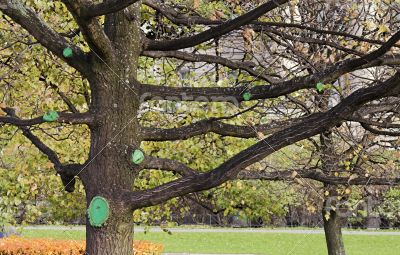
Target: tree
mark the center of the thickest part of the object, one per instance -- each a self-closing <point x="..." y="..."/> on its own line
<point x="112" y="32"/>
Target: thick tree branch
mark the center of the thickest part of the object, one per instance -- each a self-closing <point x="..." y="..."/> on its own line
<point x="214" y="32"/>
<point x="235" y="94"/>
<point x="69" y="118"/>
<point x="45" y="35"/>
<point x="168" y="165"/>
<point x="310" y="126"/>
<point x="211" y="125"/>
<point x="105" y="7"/>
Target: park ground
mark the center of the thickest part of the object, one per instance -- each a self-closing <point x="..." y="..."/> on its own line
<point x="245" y="241"/>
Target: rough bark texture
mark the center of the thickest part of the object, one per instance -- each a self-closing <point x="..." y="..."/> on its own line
<point x="329" y="158"/>
<point x="114" y="135"/>
<point x="333" y="233"/>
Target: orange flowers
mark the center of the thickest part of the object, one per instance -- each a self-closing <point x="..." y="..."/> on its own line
<point x="19" y="246"/>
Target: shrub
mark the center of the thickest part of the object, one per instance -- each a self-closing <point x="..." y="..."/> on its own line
<point x="20" y="246"/>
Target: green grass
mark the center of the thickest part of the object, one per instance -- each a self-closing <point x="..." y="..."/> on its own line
<point x="256" y="243"/>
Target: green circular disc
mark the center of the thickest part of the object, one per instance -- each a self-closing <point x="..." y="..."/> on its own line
<point x="247" y="96"/>
<point x="50" y="116"/>
<point x="67" y="52"/>
<point x="98" y="211"/>
<point x="320" y="87"/>
<point x="137" y="157"/>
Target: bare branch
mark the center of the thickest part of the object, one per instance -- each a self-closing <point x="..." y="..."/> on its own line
<point x="63" y="117"/>
<point x="379" y="132"/>
<point x="246" y="66"/>
<point x="214" y="32"/>
<point x="316" y="175"/>
<point x="259" y="26"/>
<point x="374" y="123"/>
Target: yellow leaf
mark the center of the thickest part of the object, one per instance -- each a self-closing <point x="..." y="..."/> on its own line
<point x="327" y="216"/>
<point x="383" y="29"/>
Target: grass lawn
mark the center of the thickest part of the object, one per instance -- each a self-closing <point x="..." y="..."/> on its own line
<point x="256" y="243"/>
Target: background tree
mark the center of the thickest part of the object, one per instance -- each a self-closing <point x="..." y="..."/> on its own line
<point x="105" y="52"/>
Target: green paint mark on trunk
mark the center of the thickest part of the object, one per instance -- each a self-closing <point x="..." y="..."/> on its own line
<point x="67" y="52"/>
<point x="137" y="157"/>
<point x="50" y="116"/>
<point x="98" y="211"/>
<point x="247" y="96"/>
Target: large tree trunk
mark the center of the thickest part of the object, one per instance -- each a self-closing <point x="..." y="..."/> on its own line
<point x="114" y="238"/>
<point x="115" y="135"/>
<point x="333" y="233"/>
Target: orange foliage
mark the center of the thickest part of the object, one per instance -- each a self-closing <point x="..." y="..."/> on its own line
<point x="19" y="246"/>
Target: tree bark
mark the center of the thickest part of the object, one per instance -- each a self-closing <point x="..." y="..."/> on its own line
<point x="329" y="162"/>
<point x="114" y="134"/>
<point x="333" y="232"/>
<point x="116" y="237"/>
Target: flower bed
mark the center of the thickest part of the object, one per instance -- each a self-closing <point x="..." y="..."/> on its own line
<point x="20" y="246"/>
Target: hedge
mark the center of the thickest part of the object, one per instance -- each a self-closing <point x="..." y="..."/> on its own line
<point x="15" y="245"/>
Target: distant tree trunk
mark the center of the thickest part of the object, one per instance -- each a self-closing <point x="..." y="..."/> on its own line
<point x="333" y="232"/>
<point x="332" y="222"/>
